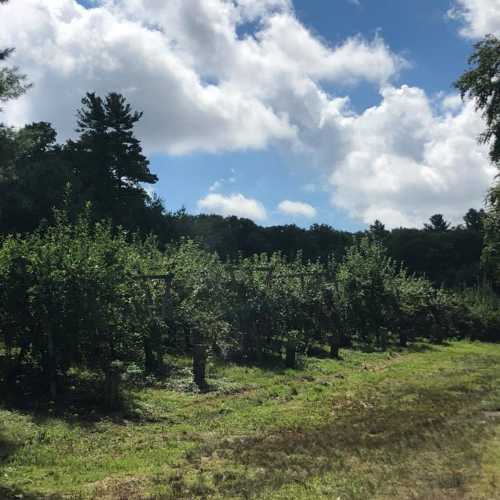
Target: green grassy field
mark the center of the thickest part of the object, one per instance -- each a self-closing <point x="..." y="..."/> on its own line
<point x="417" y="424"/>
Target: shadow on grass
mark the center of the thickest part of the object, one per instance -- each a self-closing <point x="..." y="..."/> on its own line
<point x="7" y="448"/>
<point x="80" y="399"/>
<point x="367" y="428"/>
<point x="419" y="347"/>
<point x="7" y="493"/>
<point x="415" y="345"/>
<point x="272" y="363"/>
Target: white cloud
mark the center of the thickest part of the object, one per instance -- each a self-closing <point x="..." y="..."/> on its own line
<point x="218" y="75"/>
<point x="235" y="204"/>
<point x="299" y="208"/>
<point x="406" y="160"/>
<point x="451" y="102"/>
<point x="202" y="84"/>
<point x="478" y="17"/>
<point x="150" y="191"/>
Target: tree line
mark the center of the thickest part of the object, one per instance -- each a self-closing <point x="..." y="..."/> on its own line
<point x="86" y="295"/>
<point x="96" y="275"/>
<point x="105" y="165"/>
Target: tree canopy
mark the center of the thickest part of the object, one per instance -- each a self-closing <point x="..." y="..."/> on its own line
<point x="482" y="83"/>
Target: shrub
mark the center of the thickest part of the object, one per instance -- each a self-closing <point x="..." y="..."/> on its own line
<point x="69" y="296"/>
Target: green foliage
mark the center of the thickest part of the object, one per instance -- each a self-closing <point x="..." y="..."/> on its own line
<point x="79" y="295"/>
<point x="482" y="83"/>
<point x="69" y="296"/>
<point x="33" y="177"/>
<point x="490" y="257"/>
<point x="482" y="306"/>
<point x="12" y="83"/>
<point x="108" y="162"/>
<point x="474" y="219"/>
<point x="366" y="281"/>
<point x="437" y="223"/>
<point x="106" y="166"/>
<point x="106" y="128"/>
<point x="197" y="288"/>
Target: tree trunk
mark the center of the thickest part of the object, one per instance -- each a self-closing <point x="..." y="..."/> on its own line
<point x="291" y="354"/>
<point x="403" y="338"/>
<point x="112" y="388"/>
<point x="51" y="366"/>
<point x="345" y="341"/>
<point x="149" y="360"/>
<point x="14" y="364"/>
<point x="381" y="337"/>
<point x="334" y="347"/>
<point x="199" y="365"/>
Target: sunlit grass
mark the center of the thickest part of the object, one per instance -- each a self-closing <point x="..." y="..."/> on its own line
<point x="402" y="425"/>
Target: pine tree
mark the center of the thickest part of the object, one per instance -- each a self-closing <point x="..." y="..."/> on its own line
<point x="108" y="159"/>
<point x="106" y="130"/>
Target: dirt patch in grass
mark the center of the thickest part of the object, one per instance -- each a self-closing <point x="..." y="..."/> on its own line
<point x="120" y="488"/>
<point x="371" y="432"/>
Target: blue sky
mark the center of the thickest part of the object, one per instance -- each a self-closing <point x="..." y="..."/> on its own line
<point x="420" y="30"/>
<point x="302" y="111"/>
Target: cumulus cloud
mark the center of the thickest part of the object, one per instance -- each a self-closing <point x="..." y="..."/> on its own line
<point x="478" y="17"/>
<point x="234" y="204"/>
<point x="405" y="160"/>
<point x="220" y="75"/>
<point x="203" y="84"/>
<point x="298" y="208"/>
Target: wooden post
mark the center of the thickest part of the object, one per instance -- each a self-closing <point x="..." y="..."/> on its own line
<point x="112" y="387"/>
<point x="51" y="368"/>
<point x="167" y="298"/>
<point x="199" y="363"/>
<point x="334" y="346"/>
<point x="291" y="354"/>
<point x="403" y="338"/>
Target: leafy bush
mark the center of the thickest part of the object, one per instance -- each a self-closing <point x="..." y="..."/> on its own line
<point x="367" y="292"/>
<point x="81" y="296"/>
<point x="481" y="313"/>
<point x="69" y="296"/>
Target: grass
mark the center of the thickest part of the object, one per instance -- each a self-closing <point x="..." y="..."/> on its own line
<point x="416" y="424"/>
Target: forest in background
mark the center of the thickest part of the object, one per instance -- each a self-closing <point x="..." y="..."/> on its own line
<point x="105" y="166"/>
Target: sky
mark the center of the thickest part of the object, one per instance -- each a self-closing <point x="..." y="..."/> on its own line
<point x="283" y="111"/>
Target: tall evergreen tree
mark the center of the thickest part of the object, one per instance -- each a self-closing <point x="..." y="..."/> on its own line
<point x="378" y="231"/>
<point x="108" y="159"/>
<point x="437" y="224"/>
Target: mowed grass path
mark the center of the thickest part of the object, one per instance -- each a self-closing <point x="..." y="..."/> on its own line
<point x="418" y="424"/>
